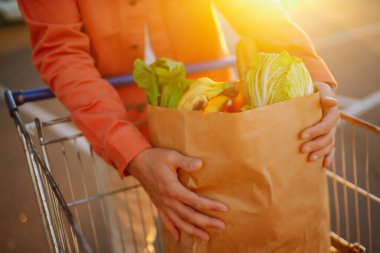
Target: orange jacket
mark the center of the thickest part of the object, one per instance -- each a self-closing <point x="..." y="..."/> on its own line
<point x="77" y="42"/>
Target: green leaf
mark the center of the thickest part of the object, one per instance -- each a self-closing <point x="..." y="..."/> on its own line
<point x="172" y="80"/>
<point x="164" y="81"/>
<point x="146" y="79"/>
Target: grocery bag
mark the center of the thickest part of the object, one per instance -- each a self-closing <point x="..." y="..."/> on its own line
<point x="252" y="162"/>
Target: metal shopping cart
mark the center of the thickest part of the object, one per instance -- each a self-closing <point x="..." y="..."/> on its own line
<point x="80" y="198"/>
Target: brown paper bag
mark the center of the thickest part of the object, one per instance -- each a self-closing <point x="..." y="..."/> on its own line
<point x="277" y="199"/>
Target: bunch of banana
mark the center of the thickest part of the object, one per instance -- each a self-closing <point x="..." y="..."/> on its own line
<point x="207" y="95"/>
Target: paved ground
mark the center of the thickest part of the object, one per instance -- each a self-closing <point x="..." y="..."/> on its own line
<point x="346" y="35"/>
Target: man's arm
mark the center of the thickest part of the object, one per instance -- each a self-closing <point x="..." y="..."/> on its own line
<point x="61" y="53"/>
<point x="268" y="25"/>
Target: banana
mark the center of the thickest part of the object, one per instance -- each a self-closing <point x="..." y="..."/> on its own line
<point x="216" y="104"/>
<point x="203" y="90"/>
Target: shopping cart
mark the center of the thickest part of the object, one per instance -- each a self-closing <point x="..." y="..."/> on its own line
<point x="85" y="207"/>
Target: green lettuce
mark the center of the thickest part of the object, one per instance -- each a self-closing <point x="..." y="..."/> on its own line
<point x="276" y="77"/>
<point x="164" y="81"/>
<point x="146" y="79"/>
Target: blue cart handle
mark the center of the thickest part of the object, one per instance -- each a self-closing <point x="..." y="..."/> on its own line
<point x="19" y="97"/>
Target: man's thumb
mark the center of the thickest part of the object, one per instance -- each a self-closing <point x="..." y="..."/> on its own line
<point x="188" y="163"/>
<point x="328" y="99"/>
<point x="328" y="102"/>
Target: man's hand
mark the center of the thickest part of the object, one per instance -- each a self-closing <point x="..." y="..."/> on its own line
<point x="321" y="137"/>
<point x="179" y="208"/>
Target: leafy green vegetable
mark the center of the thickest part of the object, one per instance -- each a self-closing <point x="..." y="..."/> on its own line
<point x="146" y="79"/>
<point x="164" y="81"/>
<point x="276" y="77"/>
<point x="172" y="80"/>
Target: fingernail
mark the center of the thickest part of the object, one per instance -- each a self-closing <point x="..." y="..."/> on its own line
<point x="223" y="208"/>
<point x="219" y="224"/>
<point x="306" y="149"/>
<point x="305" y="135"/>
<point x="330" y="98"/>
<point x="330" y="102"/>
<point x="205" y="237"/>
<point x="195" y="164"/>
<point x="313" y="157"/>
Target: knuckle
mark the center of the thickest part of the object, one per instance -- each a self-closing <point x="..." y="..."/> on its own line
<point x="332" y="141"/>
<point x="207" y="222"/>
<point x="326" y="150"/>
<point x="171" y="190"/>
<point x="329" y="145"/>
<point x="172" y="193"/>
<point x="310" y="145"/>
<point x="320" y="153"/>
<point x="190" y="198"/>
<point x="331" y="155"/>
<point x="166" y="201"/>
<point x="327" y="140"/>
<point x="197" y="203"/>
<point x="179" y="224"/>
<point x="190" y="229"/>
<point x="319" y="143"/>
<point x="168" y="190"/>
<point x="323" y="126"/>
<point x="161" y="187"/>
<point x="191" y="218"/>
<point x="323" y="152"/>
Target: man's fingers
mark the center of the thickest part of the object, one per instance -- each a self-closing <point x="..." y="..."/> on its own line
<point x="184" y="162"/>
<point x="169" y="225"/>
<point x="324" y="126"/>
<point x="319" y="142"/>
<point x="321" y="153"/>
<point x="329" y="158"/>
<point x="201" y="220"/>
<point x="187" y="227"/>
<point x="182" y="194"/>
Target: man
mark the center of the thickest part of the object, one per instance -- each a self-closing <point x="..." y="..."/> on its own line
<point x="77" y="42"/>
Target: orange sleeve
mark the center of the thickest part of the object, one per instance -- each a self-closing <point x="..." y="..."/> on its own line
<point x="267" y="23"/>
<point x="61" y="53"/>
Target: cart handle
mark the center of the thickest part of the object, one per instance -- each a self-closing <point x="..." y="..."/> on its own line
<point x="19" y="97"/>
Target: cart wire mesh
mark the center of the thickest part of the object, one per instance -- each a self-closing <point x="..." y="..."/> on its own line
<point x="86" y="207"/>
<point x="354" y="187"/>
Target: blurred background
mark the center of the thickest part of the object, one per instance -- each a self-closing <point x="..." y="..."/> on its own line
<point x="345" y="33"/>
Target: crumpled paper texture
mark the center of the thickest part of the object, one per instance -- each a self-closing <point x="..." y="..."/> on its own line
<point x="277" y="200"/>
